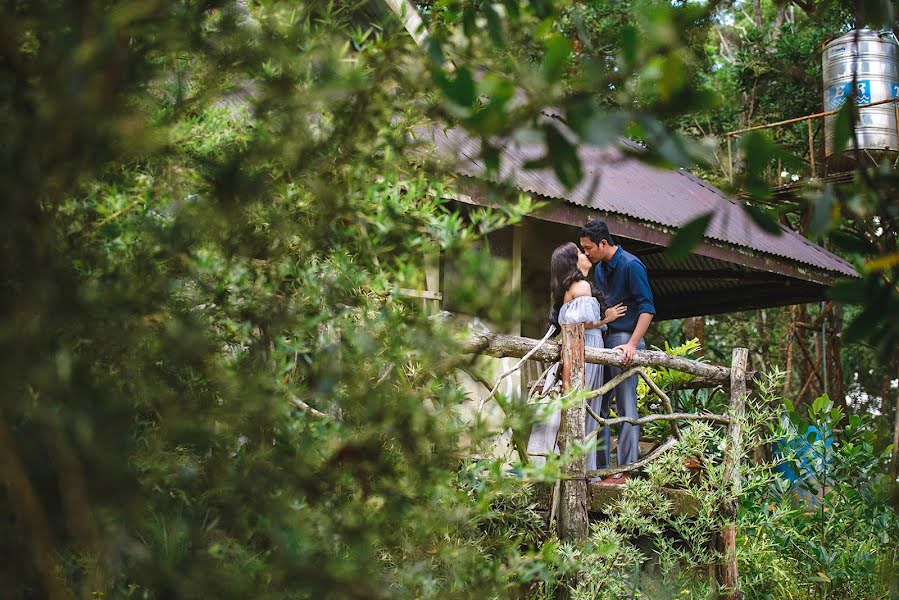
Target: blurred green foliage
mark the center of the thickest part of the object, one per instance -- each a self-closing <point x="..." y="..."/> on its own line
<point x="213" y="383"/>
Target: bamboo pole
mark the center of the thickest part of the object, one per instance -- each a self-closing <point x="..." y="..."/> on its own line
<point x="729" y="577"/>
<point x="828" y="113"/>
<point x="811" y="147"/>
<point x="573" y="492"/>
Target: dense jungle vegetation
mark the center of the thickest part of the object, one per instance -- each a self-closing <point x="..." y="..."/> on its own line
<point x="213" y="387"/>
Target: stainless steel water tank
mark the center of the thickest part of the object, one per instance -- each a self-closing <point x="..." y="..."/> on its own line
<point x="871" y="58"/>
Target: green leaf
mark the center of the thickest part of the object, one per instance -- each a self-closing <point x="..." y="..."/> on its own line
<point x="823" y="218"/>
<point x="878" y="14"/>
<point x="759" y="153"/>
<point x="842" y="127"/>
<point x="688" y="236"/>
<point x="820" y="404"/>
<point x="847" y="291"/>
<point x="490" y="155"/>
<point x="543" y="162"/>
<point x="494" y="26"/>
<point x="629" y="42"/>
<point x="542" y="8"/>
<point x="461" y="89"/>
<point x="851" y="241"/>
<point x="512" y="8"/>
<point x="762" y="219"/>
<point x="602" y="130"/>
<point x="564" y="158"/>
<point x="435" y="51"/>
<point x="557" y="50"/>
<point x="469" y="22"/>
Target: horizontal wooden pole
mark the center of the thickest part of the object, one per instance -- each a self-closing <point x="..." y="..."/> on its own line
<point x="806" y="118"/>
<point x="426" y="294"/>
<point x="482" y="341"/>
<point x="653" y="418"/>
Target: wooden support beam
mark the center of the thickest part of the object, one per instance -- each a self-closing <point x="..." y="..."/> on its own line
<point x="715" y="274"/>
<point x="573" y="523"/>
<point x="733" y="451"/>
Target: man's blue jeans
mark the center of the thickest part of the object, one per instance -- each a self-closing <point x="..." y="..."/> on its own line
<point x="625" y="394"/>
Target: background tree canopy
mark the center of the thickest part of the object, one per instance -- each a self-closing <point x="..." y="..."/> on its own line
<point x="212" y="385"/>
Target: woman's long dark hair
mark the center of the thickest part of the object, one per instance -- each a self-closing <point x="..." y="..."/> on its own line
<point x="563" y="271"/>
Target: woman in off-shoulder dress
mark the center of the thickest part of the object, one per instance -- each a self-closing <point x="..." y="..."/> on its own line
<point x="574" y="301"/>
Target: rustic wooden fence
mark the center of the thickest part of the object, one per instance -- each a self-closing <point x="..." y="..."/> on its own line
<point x="572" y="487"/>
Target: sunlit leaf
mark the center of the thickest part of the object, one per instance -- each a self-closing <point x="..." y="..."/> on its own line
<point x="883" y="263"/>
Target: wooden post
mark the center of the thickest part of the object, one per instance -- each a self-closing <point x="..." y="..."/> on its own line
<point x="573" y="501"/>
<point x="894" y="462"/>
<point x="729" y="576"/>
<point x="432" y="283"/>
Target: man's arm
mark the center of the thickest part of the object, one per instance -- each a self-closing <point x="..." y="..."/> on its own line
<point x="638" y="284"/>
<point x="640" y="328"/>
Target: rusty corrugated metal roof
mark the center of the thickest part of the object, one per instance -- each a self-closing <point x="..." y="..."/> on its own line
<point x="619" y="183"/>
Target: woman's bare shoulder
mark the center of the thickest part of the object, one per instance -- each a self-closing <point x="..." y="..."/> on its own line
<point x="578" y="289"/>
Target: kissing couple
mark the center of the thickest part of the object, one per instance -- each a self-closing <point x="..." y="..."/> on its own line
<point x="616" y="309"/>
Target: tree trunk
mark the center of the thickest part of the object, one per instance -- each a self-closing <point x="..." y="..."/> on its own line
<point x="573" y="501"/>
<point x="694" y="327"/>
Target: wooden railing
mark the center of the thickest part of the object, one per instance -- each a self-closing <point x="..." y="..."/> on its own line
<point x="574" y="356"/>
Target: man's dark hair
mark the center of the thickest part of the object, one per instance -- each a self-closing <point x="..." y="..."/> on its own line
<point x="597" y="231"/>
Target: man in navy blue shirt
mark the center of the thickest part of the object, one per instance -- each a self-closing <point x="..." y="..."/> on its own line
<point x="621" y="277"/>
